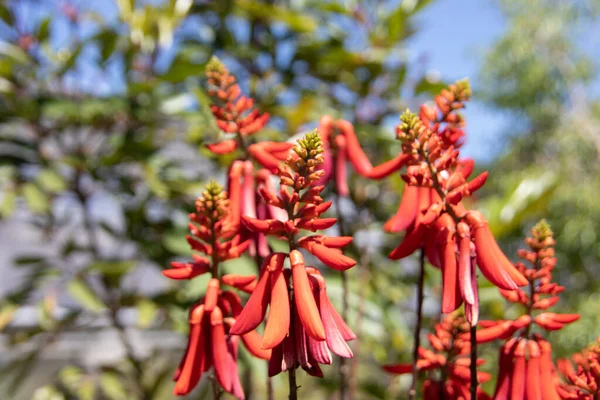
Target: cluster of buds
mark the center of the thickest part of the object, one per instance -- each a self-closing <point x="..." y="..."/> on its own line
<point x="525" y="362"/>
<point x="210" y="343"/>
<point x="539" y="276"/>
<point x="431" y="210"/>
<point x="212" y="232"/>
<point x="234" y="112"/>
<point x="583" y="380"/>
<point x="340" y="145"/>
<point x="447" y="364"/>
<point x="301" y="332"/>
<point x="235" y="115"/>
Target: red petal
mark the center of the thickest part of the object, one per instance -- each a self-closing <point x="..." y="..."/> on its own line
<point x="398" y="369"/>
<point x="331" y="257"/>
<point x="255" y="309"/>
<point x="407" y="211"/>
<point x="412" y="241"/>
<point x="237" y="281"/>
<point x="253" y="343"/>
<point x="385" y="169"/>
<point x="190" y="368"/>
<point x="341" y="181"/>
<point x="278" y="322"/>
<point x="212" y="295"/>
<point x="219" y="350"/>
<point x="224" y="147"/>
<point x="335" y="340"/>
<point x="304" y="299"/>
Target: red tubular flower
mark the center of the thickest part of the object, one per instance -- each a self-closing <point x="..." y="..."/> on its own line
<point x="234" y="112"/>
<point x="525" y="361"/>
<point x="303" y="332"/>
<point x="300" y="348"/>
<point x="450" y="359"/>
<point x="526" y="370"/>
<point x="340" y="145"/>
<point x="431" y="211"/>
<point x="581" y="382"/>
<point x="210" y="344"/>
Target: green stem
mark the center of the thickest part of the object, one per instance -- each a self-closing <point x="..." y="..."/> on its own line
<point x="412" y="393"/>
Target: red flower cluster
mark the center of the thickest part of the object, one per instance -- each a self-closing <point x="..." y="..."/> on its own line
<point x="454" y="239"/>
<point x="302" y="332"/>
<point x="583" y="380"/>
<point x="341" y="145"/>
<point x="234" y="112"/>
<point x="525" y="361"/>
<point x="450" y="357"/>
<point x="235" y="115"/>
<point x="210" y="344"/>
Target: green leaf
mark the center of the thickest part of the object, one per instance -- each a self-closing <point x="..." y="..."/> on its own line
<point x="82" y="293"/>
<point x="13" y="52"/>
<point x="113" y="387"/>
<point x="51" y="181"/>
<point x="70" y="60"/>
<point x="295" y="19"/>
<point x="36" y="200"/>
<point x="146" y="312"/>
<point x="107" y="42"/>
<point x="43" y="30"/>
<point x="47" y="392"/>
<point x="27" y="260"/>
<point x="430" y="87"/>
<point x="126" y="8"/>
<point x="112" y="268"/>
<point x="7" y="311"/>
<point x="7" y="206"/>
<point x="6" y="15"/>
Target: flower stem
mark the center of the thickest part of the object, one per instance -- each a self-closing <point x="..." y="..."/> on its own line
<point x="343" y="369"/>
<point x="473" y="365"/>
<point x="292" y="384"/>
<point x="412" y="393"/>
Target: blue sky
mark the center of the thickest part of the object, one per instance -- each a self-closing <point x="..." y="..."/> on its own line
<point x="454" y="40"/>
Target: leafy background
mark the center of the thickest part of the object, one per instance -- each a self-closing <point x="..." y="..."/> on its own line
<point x="102" y="123"/>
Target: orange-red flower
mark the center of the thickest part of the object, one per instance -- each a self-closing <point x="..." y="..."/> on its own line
<point x="209" y="344"/>
<point x="301" y="347"/>
<point x="431" y="212"/>
<point x="234" y="112"/>
<point x="450" y="356"/>
<point x="526" y="370"/>
<point x="340" y="146"/>
<point x="582" y="381"/>
<point x="301" y="331"/>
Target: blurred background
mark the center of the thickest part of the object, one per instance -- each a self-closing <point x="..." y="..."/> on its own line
<point x="103" y="118"/>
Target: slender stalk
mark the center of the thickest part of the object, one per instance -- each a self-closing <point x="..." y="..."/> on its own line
<point x="412" y="393"/>
<point x="215" y="388"/>
<point x="473" y="365"/>
<point x="343" y="369"/>
<point x="364" y="277"/>
<point x="292" y="383"/>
